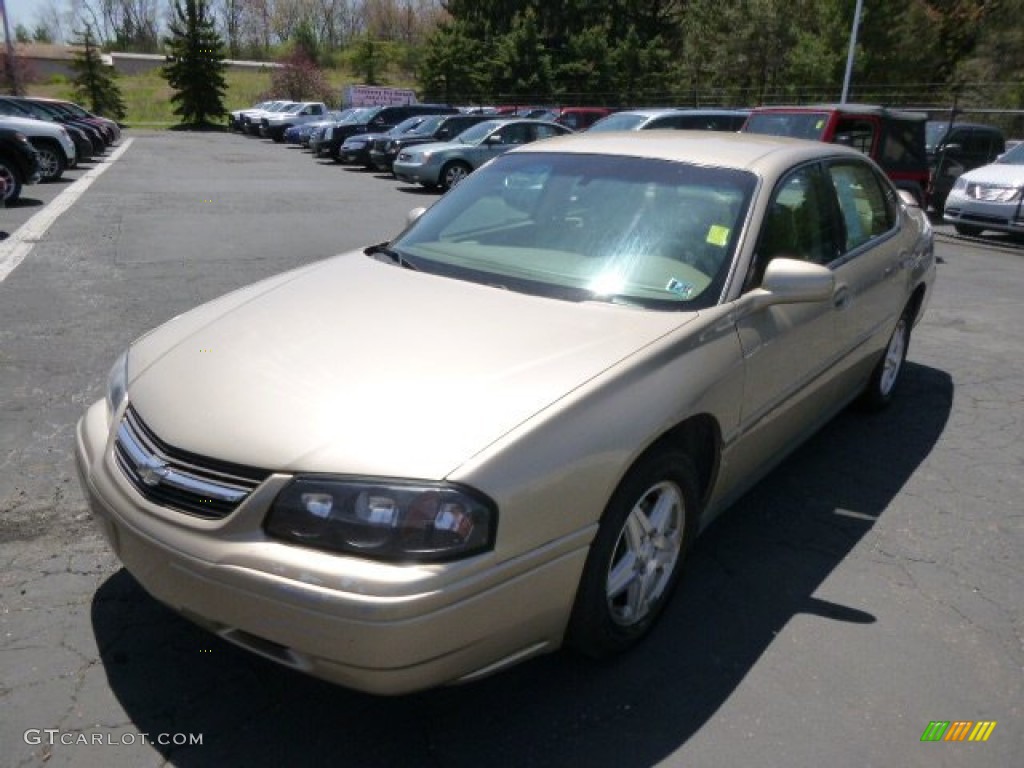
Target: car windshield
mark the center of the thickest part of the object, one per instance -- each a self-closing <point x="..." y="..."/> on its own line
<point x="1014" y="157"/>
<point x="406" y="125"/>
<point x="623" y="121"/>
<point x="360" y="116"/>
<point x="646" y="232"/>
<point x="429" y="125"/>
<point x="293" y="108"/>
<point x="478" y="132"/>
<point x="798" y="125"/>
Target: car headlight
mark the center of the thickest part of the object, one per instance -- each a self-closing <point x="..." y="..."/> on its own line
<point x="117" y="384"/>
<point x="384" y="519"/>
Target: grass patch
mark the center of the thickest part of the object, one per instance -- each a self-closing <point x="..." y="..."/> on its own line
<point x="147" y="96"/>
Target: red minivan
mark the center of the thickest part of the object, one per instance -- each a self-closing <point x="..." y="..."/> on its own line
<point x="894" y="139"/>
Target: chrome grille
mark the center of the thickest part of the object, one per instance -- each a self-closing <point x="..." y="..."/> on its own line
<point x="177" y="479"/>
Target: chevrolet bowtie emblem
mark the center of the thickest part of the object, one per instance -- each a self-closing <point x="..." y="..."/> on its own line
<point x="153" y="471"/>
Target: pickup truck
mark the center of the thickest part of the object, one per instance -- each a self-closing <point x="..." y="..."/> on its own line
<point x="273" y="126"/>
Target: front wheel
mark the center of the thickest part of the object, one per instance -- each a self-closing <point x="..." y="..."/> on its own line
<point x="453" y="173"/>
<point x="51" y="162"/>
<point x="882" y="384"/>
<point x="636" y="558"/>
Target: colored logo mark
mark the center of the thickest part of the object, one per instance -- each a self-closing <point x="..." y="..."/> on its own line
<point x="958" y="730"/>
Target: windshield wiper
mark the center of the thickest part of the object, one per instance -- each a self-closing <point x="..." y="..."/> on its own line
<point x="383" y="249"/>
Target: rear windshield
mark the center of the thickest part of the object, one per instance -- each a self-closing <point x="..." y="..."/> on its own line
<point x="620" y="122"/>
<point x="798" y="125"/>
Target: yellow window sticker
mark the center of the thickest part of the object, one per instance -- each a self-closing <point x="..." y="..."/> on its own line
<point x="718" y="235"/>
<point x="819" y="125"/>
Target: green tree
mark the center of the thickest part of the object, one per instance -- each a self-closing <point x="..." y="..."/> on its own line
<point x="41" y="34"/>
<point x="586" y="68"/>
<point x="367" y="60"/>
<point x="451" y="69"/>
<point x="522" y="64"/>
<point x="21" y="34"/>
<point x="94" y="82"/>
<point x="305" y="43"/>
<point x="643" y="70"/>
<point x="196" y="68"/>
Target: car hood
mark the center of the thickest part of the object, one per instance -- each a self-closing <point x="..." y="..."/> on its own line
<point x="438" y="146"/>
<point x="357" y="366"/>
<point x="365" y="138"/>
<point x="997" y="173"/>
<point x="30" y="126"/>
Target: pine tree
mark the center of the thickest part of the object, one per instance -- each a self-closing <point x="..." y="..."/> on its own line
<point x="196" y="69"/>
<point x="94" y="81"/>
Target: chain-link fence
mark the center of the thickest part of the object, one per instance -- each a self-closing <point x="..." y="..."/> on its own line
<point x="1000" y="104"/>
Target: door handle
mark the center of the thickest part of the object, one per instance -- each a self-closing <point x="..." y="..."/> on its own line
<point x="841" y="298"/>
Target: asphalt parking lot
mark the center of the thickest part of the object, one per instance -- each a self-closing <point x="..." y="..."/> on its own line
<point x="872" y="584"/>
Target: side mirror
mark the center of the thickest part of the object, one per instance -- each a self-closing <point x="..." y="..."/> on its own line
<point x="494" y="138"/>
<point x="414" y="214"/>
<point x="791" y="281"/>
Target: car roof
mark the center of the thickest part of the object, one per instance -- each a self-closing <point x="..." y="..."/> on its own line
<point x="758" y="153"/>
<point x="650" y="111"/>
<point x="707" y="111"/>
<point x="973" y="126"/>
<point x="851" y="109"/>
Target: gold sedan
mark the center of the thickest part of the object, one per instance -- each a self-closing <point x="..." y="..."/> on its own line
<point x="499" y="433"/>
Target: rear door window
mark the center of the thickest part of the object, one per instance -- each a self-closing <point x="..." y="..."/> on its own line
<point x="865" y="202"/>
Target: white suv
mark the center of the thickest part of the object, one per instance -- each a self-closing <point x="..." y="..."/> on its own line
<point x="52" y="142"/>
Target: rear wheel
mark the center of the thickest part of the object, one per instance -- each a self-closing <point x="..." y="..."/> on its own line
<point x="882" y="384"/>
<point x="636" y="558"/>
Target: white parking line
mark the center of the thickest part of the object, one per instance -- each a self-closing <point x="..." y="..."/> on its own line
<point x="15" y="248"/>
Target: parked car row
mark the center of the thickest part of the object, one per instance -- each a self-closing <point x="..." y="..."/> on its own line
<point x="438" y="145"/>
<point x="60" y="133"/>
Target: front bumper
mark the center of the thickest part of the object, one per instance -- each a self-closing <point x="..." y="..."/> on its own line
<point x="380" y="628"/>
<point x="427" y="174"/>
<point x="382" y="161"/>
<point x="354" y="155"/>
<point x="1002" y="217"/>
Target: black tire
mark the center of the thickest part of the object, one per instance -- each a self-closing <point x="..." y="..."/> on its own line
<point x="967" y="230"/>
<point x="630" y="573"/>
<point x="12" y="180"/>
<point x="453" y="173"/>
<point x="52" y="162"/>
<point x="886" y="376"/>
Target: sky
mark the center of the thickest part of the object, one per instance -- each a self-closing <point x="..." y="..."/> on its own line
<point x="21" y="12"/>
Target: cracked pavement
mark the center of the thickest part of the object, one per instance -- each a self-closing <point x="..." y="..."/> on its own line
<point x="871" y="584"/>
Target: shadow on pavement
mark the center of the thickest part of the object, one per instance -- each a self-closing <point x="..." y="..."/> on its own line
<point x="748" y="575"/>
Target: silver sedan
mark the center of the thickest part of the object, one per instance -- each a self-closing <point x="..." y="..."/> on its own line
<point x="445" y="164"/>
